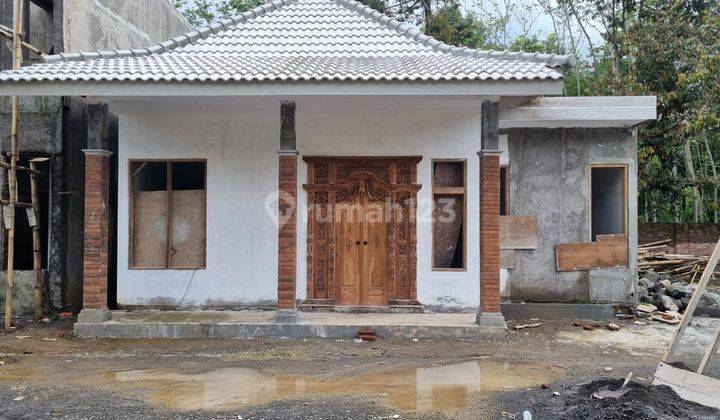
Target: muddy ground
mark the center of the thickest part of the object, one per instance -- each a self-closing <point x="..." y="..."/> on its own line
<point x="46" y="373"/>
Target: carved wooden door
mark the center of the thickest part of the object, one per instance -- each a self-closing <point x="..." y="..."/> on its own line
<point x="350" y="255"/>
<point x="374" y="254"/>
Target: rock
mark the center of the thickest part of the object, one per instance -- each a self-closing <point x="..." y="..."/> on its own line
<point x="684" y="303"/>
<point x="644" y="283"/>
<point x="678" y="290"/>
<point x="588" y="327"/>
<point x="652" y="276"/>
<point x="613" y="327"/>
<point x="647" y="308"/>
<point x="666" y="303"/>
<point x="577" y="324"/>
<point x="665" y="283"/>
<point x="712" y="299"/>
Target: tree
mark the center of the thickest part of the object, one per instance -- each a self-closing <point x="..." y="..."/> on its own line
<point x="205" y="12"/>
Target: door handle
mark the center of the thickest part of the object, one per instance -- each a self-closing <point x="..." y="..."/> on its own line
<point x="357" y="242"/>
<point x="365" y="242"/>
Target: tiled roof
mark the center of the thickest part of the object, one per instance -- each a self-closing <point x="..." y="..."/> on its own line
<point x="298" y="40"/>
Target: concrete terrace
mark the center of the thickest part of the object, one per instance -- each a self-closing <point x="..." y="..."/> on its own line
<point x="259" y="324"/>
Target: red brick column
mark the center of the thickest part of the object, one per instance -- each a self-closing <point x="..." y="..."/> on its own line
<point x="287" y="231"/>
<point x="489" y="232"/>
<point x="96" y="235"/>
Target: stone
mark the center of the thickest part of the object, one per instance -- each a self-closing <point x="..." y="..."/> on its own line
<point x="712" y="299"/>
<point x="647" y="308"/>
<point x="665" y="283"/>
<point x="644" y="283"/>
<point x="684" y="303"/>
<point x="666" y="303"/>
<point x="652" y="276"/>
<point x="613" y="327"/>
<point x="678" y="290"/>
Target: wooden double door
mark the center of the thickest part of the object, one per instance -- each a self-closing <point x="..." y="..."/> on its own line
<point x="362" y="231"/>
<point x="361" y="245"/>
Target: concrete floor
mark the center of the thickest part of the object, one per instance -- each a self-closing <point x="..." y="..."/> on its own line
<point x="306" y="318"/>
<point x="260" y="324"/>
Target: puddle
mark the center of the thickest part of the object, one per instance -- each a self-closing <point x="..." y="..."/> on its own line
<point x="443" y="388"/>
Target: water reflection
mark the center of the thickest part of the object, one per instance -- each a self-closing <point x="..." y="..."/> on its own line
<point x="427" y="388"/>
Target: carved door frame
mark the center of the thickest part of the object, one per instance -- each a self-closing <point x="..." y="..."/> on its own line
<point x="333" y="180"/>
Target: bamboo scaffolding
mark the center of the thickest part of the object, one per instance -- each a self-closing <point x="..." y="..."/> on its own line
<point x="37" y="242"/>
<point x="12" y="172"/>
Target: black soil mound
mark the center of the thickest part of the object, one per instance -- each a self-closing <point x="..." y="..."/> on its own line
<point x="641" y="402"/>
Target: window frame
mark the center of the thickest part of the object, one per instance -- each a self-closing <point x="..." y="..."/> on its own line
<point x="131" y="212"/>
<point x="448" y="191"/>
<point x="625" y="213"/>
<point x="506" y="168"/>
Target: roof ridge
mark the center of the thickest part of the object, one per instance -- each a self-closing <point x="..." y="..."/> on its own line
<point x="176" y="42"/>
<point x="411" y="32"/>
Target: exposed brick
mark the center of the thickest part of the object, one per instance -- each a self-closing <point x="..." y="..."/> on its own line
<point x="287" y="234"/>
<point x="490" y="233"/>
<point x="96" y="231"/>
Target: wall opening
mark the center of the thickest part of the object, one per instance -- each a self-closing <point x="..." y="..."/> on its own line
<point x="168" y="214"/>
<point x="609" y="200"/>
<point x="449" y="214"/>
<point x="504" y="189"/>
<point x="23" y="259"/>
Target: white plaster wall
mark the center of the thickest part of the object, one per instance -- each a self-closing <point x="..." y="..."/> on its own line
<point x="383" y="130"/>
<point x="242" y="164"/>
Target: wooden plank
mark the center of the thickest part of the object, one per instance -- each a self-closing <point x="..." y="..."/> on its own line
<point x="150" y="229"/>
<point x="689" y="385"/>
<point x="609" y="251"/>
<point x="694" y="300"/>
<point x="188" y="229"/>
<point x="448" y="190"/>
<point x="711" y="351"/>
<point x="518" y="232"/>
<point x="507" y="258"/>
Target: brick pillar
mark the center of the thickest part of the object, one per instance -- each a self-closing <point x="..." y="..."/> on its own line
<point x="489" y="313"/>
<point x="287" y="234"/>
<point x="96" y="236"/>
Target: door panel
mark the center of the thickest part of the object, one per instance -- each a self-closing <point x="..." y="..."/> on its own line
<point x="349" y="234"/>
<point x="372" y="287"/>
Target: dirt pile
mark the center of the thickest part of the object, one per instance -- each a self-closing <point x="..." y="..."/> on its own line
<point x="640" y="402"/>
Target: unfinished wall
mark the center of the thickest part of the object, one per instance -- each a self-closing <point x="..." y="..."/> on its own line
<point x="56" y="127"/>
<point x="118" y="24"/>
<point x="550" y="178"/>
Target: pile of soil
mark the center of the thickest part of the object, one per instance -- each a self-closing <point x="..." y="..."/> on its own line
<point x="641" y="402"/>
<point x="577" y="402"/>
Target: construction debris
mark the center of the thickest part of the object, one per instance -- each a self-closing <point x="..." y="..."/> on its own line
<point x="613" y="327"/>
<point x="656" y="256"/>
<point x="523" y="326"/>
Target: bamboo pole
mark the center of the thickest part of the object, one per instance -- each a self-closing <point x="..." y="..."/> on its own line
<point x="12" y="176"/>
<point x="37" y="244"/>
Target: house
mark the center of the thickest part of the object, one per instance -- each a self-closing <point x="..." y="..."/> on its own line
<point x="55" y="127"/>
<point x="317" y="155"/>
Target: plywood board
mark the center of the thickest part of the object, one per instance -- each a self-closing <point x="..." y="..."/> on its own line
<point x="689" y="385"/>
<point x="608" y="251"/>
<point x="188" y="229"/>
<point x="149" y="229"/>
<point x="507" y="258"/>
<point x="518" y="232"/>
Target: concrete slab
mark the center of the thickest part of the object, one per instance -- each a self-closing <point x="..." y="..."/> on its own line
<point x="262" y="324"/>
<point x="521" y="311"/>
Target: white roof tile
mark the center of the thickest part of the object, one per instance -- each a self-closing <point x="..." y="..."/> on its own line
<point x="297" y="40"/>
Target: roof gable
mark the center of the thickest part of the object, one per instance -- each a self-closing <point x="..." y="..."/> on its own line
<point x="298" y="40"/>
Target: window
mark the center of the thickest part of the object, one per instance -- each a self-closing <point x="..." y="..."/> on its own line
<point x="504" y="189"/>
<point x="608" y="200"/>
<point x="167" y="214"/>
<point x="448" y="179"/>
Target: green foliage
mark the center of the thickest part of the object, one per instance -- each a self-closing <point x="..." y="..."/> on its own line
<point x="450" y="25"/>
<point x="204" y="12"/>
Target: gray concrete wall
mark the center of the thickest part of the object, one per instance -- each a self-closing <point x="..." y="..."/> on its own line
<point x="119" y="24"/>
<point x="550" y="178"/>
<point x="57" y="127"/>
